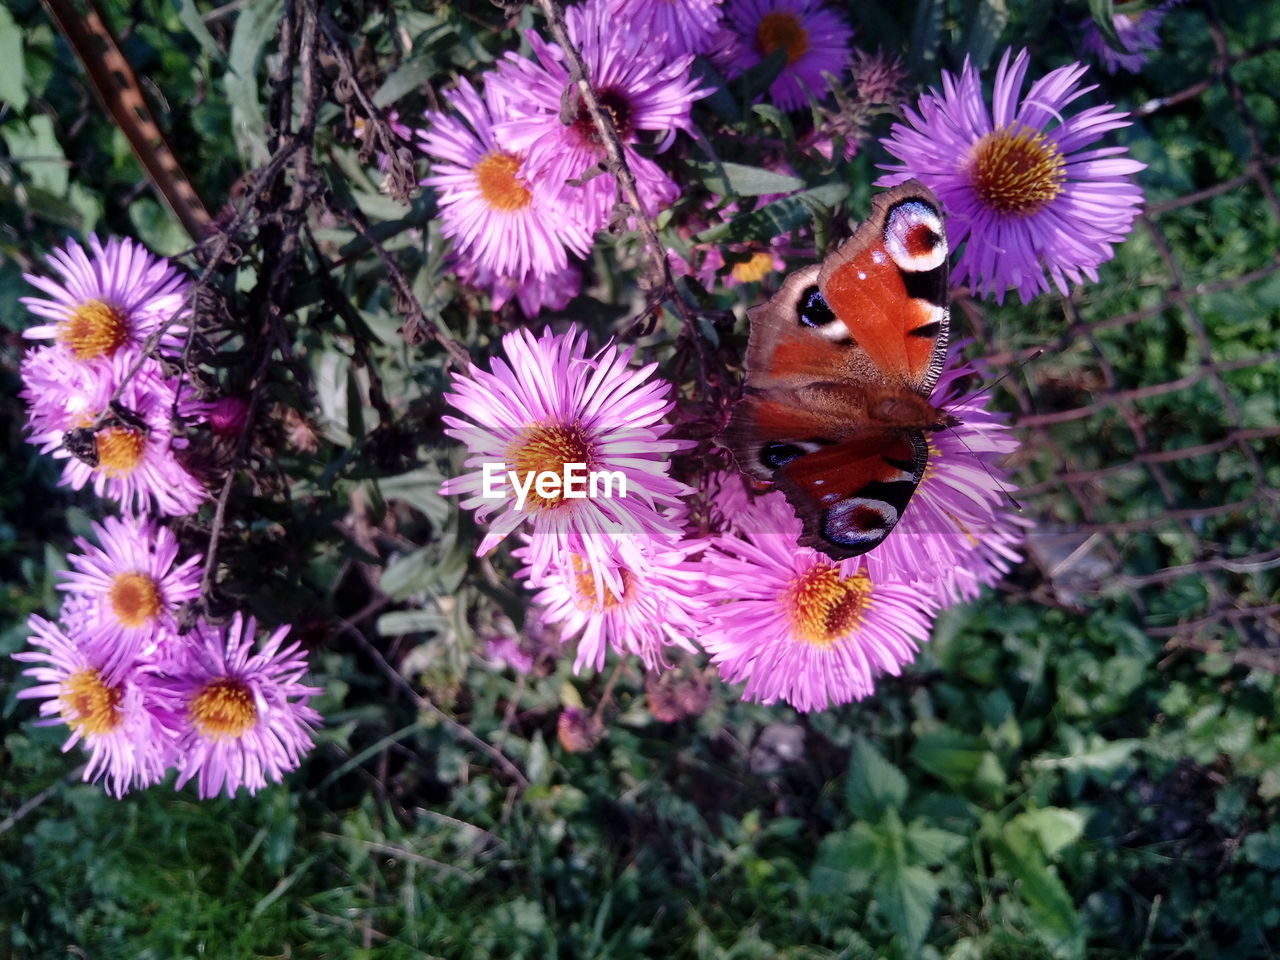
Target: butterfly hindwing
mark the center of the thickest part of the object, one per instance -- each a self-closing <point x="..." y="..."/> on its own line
<point x="850" y="494"/>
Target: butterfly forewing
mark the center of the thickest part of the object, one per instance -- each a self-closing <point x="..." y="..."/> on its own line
<point x="888" y="284"/>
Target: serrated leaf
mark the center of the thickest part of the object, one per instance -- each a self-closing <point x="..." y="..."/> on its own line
<point x="906" y="895"/>
<point x="1263" y="849"/>
<point x="777" y="218"/>
<point x="1054" y="827"/>
<point x="1018" y="853"/>
<point x="874" y="785"/>
<point x="737" y="179"/>
<point x="932" y="845"/>
<point x="846" y="862"/>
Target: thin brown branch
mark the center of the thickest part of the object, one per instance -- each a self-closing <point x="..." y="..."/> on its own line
<point x="616" y="164"/>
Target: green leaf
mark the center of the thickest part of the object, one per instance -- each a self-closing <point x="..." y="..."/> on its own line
<point x="950" y="756"/>
<point x="1017" y="851"/>
<point x="408" y="573"/>
<point x="400" y="622"/>
<point x="420" y="489"/>
<point x="926" y="34"/>
<point x="1263" y="849"/>
<point x="874" y="783"/>
<point x="736" y="179"/>
<point x="190" y="17"/>
<point x="1054" y="827"/>
<point x="255" y="25"/>
<point x="1103" y="12"/>
<point x="932" y="845"/>
<point x="409" y="76"/>
<point x="846" y="862"/>
<point x="13" y="69"/>
<point x="987" y="21"/>
<point x="779" y="217"/>
<point x="907" y="895"/>
<point x="34" y="143"/>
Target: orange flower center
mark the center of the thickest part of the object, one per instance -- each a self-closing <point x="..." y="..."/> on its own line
<point x="135" y="599"/>
<point x="585" y="589"/>
<point x="755" y="269"/>
<point x="781" y="30"/>
<point x="88" y="704"/>
<point x="120" y="449"/>
<point x="1016" y="171"/>
<point x="546" y="449"/>
<point x="497" y="176"/>
<point x="94" y="329"/>
<point x="223" y="710"/>
<point x="824" y="607"/>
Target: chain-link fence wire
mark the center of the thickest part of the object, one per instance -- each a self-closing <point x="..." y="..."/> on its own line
<point x="1150" y="421"/>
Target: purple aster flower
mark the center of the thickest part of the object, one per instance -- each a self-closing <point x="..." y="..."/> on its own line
<point x="132" y="585"/>
<point x="959" y="531"/>
<point x="1018" y="188"/>
<point x="678" y="26"/>
<point x="124" y="723"/>
<point x="639" y="608"/>
<point x="533" y="293"/>
<point x="1139" y="34"/>
<point x="640" y="90"/>
<point x="129" y="457"/>
<point x="500" y="213"/>
<point x="797" y="626"/>
<point x="549" y="410"/>
<point x="111" y="301"/>
<point x="816" y="41"/>
<point x="244" y="716"/>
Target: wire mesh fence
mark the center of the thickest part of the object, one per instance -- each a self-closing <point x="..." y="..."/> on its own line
<point x="1150" y="419"/>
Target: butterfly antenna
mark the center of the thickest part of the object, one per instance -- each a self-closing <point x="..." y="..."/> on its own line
<point x="987" y="470"/>
<point x="1000" y="379"/>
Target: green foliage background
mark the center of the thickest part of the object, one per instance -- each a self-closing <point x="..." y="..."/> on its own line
<point x="1045" y="782"/>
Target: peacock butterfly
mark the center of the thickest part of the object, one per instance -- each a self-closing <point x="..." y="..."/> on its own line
<point x="840" y="365"/>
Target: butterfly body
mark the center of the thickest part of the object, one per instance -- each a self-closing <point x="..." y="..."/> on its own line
<point x="840" y="365"/>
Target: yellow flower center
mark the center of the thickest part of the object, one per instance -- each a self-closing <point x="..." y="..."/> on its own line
<point x="135" y="599"/>
<point x="781" y="30"/>
<point x="120" y="450"/>
<point x="223" y="710"/>
<point x="88" y="704"/>
<point x="585" y="589"/>
<point x="497" y="176"/>
<point x="1016" y="171"/>
<point x="824" y="607"/>
<point x="546" y="449"/>
<point x="755" y="269"/>
<point x="94" y="329"/>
